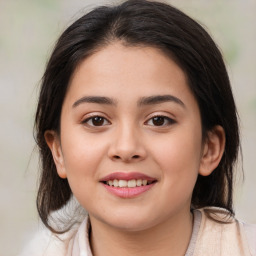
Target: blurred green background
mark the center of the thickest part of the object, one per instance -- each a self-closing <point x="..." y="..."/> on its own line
<point x="28" y="30"/>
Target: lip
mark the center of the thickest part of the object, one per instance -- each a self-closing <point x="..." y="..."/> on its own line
<point x="127" y="176"/>
<point x="125" y="192"/>
<point x="128" y="192"/>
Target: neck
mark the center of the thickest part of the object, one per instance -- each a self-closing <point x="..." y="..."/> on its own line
<point x="168" y="238"/>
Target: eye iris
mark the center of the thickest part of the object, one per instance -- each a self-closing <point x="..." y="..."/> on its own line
<point x="97" y="121"/>
<point x="158" y="120"/>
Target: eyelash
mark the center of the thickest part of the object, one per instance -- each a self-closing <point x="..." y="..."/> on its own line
<point x="92" y="118"/>
<point x="167" y="121"/>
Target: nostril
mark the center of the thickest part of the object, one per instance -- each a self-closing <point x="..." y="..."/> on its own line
<point x="133" y="157"/>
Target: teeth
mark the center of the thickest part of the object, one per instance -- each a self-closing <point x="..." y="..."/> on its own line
<point x="130" y="183"/>
<point x="139" y="183"/>
<point x="122" y="183"/>
<point x="115" y="183"/>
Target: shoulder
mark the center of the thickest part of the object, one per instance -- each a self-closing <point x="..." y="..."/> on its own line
<point x="250" y="232"/>
<point x="45" y="243"/>
<point x="225" y="231"/>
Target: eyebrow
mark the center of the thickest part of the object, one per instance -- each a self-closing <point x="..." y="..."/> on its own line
<point x="151" y="100"/>
<point x="158" y="99"/>
<point x="94" y="99"/>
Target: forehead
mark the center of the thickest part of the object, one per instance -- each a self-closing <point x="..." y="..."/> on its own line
<point x="119" y="71"/>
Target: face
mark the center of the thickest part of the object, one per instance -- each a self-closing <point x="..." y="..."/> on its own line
<point x="131" y="138"/>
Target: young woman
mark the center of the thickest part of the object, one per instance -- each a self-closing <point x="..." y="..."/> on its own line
<point x="136" y="120"/>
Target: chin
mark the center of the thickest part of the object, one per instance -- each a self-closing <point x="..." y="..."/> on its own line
<point x="131" y="225"/>
<point x="132" y="221"/>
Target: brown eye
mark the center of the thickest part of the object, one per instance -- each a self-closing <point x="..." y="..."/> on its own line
<point x="96" y="121"/>
<point x="160" y="121"/>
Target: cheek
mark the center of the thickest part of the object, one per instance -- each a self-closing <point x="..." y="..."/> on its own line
<point x="178" y="150"/>
<point x="82" y="154"/>
<point x="82" y="157"/>
<point x="178" y="155"/>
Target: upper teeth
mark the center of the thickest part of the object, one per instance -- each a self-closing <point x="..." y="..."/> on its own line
<point x="127" y="183"/>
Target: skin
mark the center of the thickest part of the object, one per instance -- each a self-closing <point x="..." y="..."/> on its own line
<point x="174" y="152"/>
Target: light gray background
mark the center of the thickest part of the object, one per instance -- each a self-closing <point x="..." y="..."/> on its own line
<point x="28" y="30"/>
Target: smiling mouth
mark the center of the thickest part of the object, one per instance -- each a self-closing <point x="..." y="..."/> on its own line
<point x="128" y="183"/>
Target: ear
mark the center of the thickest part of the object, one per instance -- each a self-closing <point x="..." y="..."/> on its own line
<point x="53" y="141"/>
<point x="213" y="150"/>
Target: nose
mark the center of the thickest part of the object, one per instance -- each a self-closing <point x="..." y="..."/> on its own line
<point x="126" y="146"/>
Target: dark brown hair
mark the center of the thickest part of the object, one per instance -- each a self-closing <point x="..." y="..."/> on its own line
<point x="146" y="23"/>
